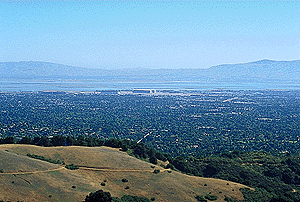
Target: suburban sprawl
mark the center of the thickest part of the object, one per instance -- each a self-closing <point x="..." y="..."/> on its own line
<point x="187" y="123"/>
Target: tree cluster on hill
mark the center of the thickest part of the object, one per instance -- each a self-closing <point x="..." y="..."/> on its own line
<point x="138" y="150"/>
<point x="276" y="178"/>
<point x="101" y="196"/>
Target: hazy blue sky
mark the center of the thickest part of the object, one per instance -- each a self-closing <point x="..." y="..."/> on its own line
<point x="148" y="34"/>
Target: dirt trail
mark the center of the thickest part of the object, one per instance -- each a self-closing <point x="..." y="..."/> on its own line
<point x="104" y="169"/>
<point x="32" y="172"/>
<point x="110" y="169"/>
<point x="116" y="169"/>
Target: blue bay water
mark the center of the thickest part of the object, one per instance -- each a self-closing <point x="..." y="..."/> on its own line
<point x="15" y="85"/>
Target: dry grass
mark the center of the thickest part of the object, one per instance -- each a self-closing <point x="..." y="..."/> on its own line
<point x="104" y="164"/>
<point x="12" y="163"/>
<point x="82" y="156"/>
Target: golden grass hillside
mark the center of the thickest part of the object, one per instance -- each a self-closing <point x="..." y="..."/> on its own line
<point x="27" y="179"/>
<point x="12" y="163"/>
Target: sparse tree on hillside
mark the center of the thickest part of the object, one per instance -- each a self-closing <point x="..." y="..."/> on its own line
<point x="127" y="198"/>
<point x="98" y="196"/>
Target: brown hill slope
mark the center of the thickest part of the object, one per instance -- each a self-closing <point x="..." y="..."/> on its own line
<point x="83" y="156"/>
<point x="96" y="165"/>
<point x="12" y="163"/>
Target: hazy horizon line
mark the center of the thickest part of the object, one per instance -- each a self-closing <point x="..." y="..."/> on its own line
<point x="147" y="68"/>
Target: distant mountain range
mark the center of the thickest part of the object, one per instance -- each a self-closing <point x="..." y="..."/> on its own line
<point x="259" y="71"/>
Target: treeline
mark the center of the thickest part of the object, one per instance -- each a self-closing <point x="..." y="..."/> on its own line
<point x="133" y="148"/>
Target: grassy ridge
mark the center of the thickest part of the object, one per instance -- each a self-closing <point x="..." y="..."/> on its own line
<point x="111" y="166"/>
<point x="275" y="177"/>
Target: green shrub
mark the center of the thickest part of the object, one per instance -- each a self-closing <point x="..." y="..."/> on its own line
<point x="102" y="184"/>
<point x="156" y="171"/>
<point x="124" y="180"/>
<point x="71" y="167"/>
<point x="1" y="171"/>
<point x="211" y="197"/>
<point x="124" y="148"/>
<point x="44" y="158"/>
<point x="228" y="199"/>
<point x="200" y="198"/>
<point x="152" y="199"/>
<point x="127" y="187"/>
<point x="127" y="198"/>
<point x="170" y="166"/>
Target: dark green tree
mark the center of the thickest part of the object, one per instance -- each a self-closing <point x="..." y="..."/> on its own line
<point x="127" y="198"/>
<point x="58" y="140"/>
<point x="25" y="140"/>
<point x="153" y="160"/>
<point x="44" y="141"/>
<point x="98" y="196"/>
<point x="70" y="140"/>
<point x="81" y="141"/>
<point x="113" y="142"/>
<point x="8" y="140"/>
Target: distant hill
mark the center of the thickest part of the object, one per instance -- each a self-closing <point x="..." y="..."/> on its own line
<point x="268" y="70"/>
<point x="259" y="71"/>
<point x="41" y="69"/>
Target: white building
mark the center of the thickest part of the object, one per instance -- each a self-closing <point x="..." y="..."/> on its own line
<point x="142" y="91"/>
